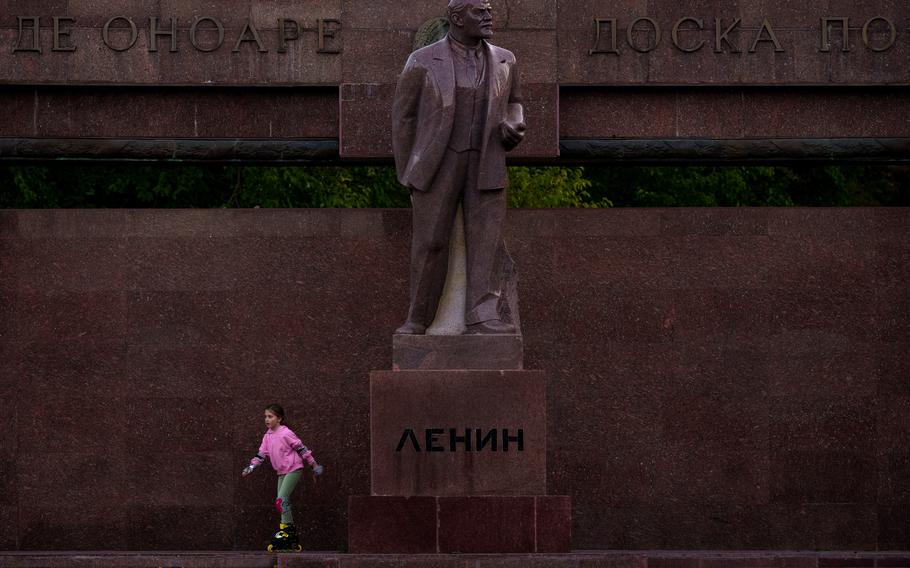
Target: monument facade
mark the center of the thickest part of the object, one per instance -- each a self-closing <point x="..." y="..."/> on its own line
<point x="709" y="379"/>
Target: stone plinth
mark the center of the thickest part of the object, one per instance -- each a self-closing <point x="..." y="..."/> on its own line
<point x="472" y="352"/>
<point x="470" y="524"/>
<point x="446" y="433"/>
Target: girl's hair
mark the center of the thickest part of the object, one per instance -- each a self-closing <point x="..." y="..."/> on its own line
<point x="279" y="412"/>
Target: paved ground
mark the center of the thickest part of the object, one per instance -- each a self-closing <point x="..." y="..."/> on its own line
<point x="578" y="559"/>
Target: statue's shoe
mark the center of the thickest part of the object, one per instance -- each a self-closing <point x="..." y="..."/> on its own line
<point x="491" y="327"/>
<point x="411" y="328"/>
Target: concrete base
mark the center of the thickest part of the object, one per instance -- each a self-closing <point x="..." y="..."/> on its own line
<point x="468" y="352"/>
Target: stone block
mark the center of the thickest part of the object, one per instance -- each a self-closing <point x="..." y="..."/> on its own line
<point x="458" y="525"/>
<point x="541" y="102"/>
<point x="9" y="491"/>
<point x="818" y="113"/>
<point x="18" y="118"/>
<point x="169" y="318"/>
<point x="594" y="113"/>
<point x="300" y="65"/>
<point x="163" y="528"/>
<point x="265" y="13"/>
<point x="232" y="15"/>
<point x="312" y="113"/>
<point x="59" y="316"/>
<point x="486" y="524"/>
<point x="59" y="526"/>
<point x="712" y="114"/>
<point x="554" y="524"/>
<point x="525" y="14"/>
<point x="437" y="407"/>
<point x="578" y="67"/>
<point x="175" y="424"/>
<point x="365" y="14"/>
<point x="95" y="13"/>
<point x="365" y="126"/>
<point x="536" y="52"/>
<point x="107" y="113"/>
<point x="8" y="526"/>
<point x="68" y="369"/>
<point x="460" y="352"/>
<point x="72" y="265"/>
<point x="385" y="525"/>
<point x="375" y="55"/>
<point x="185" y="488"/>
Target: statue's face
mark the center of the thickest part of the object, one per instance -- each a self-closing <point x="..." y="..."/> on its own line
<point x="477" y="20"/>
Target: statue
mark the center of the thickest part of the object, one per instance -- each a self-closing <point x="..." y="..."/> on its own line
<point x="457" y="111"/>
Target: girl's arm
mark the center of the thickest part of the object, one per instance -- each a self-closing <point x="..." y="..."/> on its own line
<point x="258" y="460"/>
<point x="305" y="453"/>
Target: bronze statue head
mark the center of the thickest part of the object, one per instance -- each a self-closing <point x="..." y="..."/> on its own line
<point x="470" y="20"/>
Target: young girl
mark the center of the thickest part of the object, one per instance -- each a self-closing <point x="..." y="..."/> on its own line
<point x="287" y="453"/>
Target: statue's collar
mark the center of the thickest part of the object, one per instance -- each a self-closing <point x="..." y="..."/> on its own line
<point x="463" y="50"/>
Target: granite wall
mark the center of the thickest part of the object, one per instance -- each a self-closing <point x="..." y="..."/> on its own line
<point x="717" y="378"/>
<point x="718" y="70"/>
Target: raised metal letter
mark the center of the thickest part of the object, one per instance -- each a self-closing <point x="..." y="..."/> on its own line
<point x="36" y="34"/>
<point x="719" y="38"/>
<point x="845" y="28"/>
<point x="106" y="33"/>
<point x="283" y="33"/>
<point x="251" y="29"/>
<point x="598" y="23"/>
<point x="866" y="33"/>
<point x="195" y="28"/>
<point x="154" y="32"/>
<point x="631" y="39"/>
<point x="675" y="34"/>
<point x="327" y="32"/>
<point x="766" y="26"/>
<point x="59" y="33"/>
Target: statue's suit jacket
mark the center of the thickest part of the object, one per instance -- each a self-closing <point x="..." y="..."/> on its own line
<point x="424" y="110"/>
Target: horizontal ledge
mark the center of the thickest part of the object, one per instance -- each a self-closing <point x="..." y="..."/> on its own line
<point x="170" y="150"/>
<point x="581" y="151"/>
<point x="768" y="150"/>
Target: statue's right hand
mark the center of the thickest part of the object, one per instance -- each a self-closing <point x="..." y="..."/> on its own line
<point x="512" y="135"/>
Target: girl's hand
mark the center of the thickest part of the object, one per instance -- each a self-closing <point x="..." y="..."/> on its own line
<point x="247" y="470"/>
<point x="317" y="471"/>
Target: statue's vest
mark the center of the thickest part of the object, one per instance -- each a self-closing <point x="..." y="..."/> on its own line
<point x="470" y="116"/>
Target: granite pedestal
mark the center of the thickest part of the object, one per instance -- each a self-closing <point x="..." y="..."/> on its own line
<point x="458" y="455"/>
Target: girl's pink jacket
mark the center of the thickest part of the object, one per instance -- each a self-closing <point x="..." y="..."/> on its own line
<point x="282" y="447"/>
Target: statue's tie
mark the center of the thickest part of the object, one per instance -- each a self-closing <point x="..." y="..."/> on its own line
<point x="472" y="66"/>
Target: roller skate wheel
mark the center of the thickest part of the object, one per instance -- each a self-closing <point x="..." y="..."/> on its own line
<point x="298" y="548"/>
<point x="271" y="548"/>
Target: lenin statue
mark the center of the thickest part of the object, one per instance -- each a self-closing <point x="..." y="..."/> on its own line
<point x="457" y="111"/>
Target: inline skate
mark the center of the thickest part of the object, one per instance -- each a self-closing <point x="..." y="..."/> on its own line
<point x="285" y="540"/>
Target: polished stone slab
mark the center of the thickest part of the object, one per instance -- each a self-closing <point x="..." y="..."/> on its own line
<point x="458" y="433"/>
<point x="466" y="352"/>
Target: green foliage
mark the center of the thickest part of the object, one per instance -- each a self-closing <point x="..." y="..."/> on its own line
<point x="755" y="186"/>
<point x="551" y="187"/>
<point x="70" y="185"/>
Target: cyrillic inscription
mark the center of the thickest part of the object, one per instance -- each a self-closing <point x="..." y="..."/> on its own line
<point x="467" y="439"/>
<point x="206" y="34"/>
<point x="35" y="23"/>
<point x="643" y="35"/>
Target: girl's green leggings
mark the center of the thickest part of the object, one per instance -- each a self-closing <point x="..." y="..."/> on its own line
<point x="286" y="485"/>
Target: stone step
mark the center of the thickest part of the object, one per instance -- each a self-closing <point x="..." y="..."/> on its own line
<point x="578" y="559"/>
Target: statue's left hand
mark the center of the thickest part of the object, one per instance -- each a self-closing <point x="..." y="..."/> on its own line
<point x="512" y="134"/>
